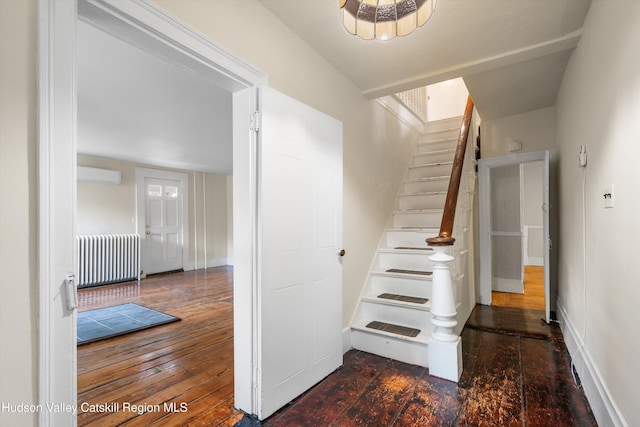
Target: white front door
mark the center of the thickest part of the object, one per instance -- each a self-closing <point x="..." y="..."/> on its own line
<point x="163" y="225"/>
<point x="300" y="303"/>
<point x="162" y="219"/>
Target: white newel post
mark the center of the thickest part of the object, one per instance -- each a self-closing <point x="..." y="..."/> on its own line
<point x="445" y="347"/>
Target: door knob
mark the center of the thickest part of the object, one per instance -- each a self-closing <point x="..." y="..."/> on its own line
<point x="342" y="252"/>
<point x="148" y="232"/>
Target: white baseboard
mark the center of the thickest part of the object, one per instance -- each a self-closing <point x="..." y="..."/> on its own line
<point x="346" y="340"/>
<point x="535" y="260"/>
<point x="507" y="285"/>
<point x="217" y="262"/>
<point x="604" y="408"/>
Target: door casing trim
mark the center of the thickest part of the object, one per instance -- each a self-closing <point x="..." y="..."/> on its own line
<point x="57" y="370"/>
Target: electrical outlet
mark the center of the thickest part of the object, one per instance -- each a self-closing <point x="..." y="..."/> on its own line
<point x="608" y="196"/>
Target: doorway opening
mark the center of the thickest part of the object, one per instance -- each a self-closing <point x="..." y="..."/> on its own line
<point x="516" y="236"/>
<point x="149" y="28"/>
<point x="517" y="225"/>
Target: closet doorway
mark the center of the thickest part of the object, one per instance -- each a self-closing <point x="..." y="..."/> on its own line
<point x="517" y="225"/>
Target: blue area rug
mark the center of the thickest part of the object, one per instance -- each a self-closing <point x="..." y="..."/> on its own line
<point x="108" y="322"/>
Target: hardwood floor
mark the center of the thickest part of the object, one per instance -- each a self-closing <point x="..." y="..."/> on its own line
<point x="533" y="297"/>
<point x="188" y="363"/>
<point x="518" y="377"/>
<point x="508" y="380"/>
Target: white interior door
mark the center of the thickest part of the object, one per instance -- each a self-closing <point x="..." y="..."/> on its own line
<point x="163" y="225"/>
<point x="162" y="219"/>
<point x="550" y="232"/>
<point x="506" y="235"/>
<point x="300" y="302"/>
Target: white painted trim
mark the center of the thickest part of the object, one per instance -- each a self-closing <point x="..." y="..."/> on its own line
<point x="547" y="47"/>
<point x="57" y="165"/>
<point x="512" y="286"/>
<point x="406" y="116"/>
<point x="57" y="361"/>
<point x="346" y="339"/>
<point x="217" y="262"/>
<point x="484" y="198"/>
<point x="141" y="174"/>
<point x="535" y="260"/>
<point x="171" y="38"/>
<point x="602" y="404"/>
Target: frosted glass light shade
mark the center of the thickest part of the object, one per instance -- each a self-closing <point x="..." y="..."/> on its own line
<point x="385" y="19"/>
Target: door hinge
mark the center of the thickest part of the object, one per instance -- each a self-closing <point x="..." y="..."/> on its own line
<point x="255" y="121"/>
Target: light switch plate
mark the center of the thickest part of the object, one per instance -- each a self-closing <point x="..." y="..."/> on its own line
<point x="608" y="196"/>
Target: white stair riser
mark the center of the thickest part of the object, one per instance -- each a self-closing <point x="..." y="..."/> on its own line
<point x="417" y="172"/>
<point x="400" y="286"/>
<point x="436" y="157"/>
<point x="405" y="261"/>
<point x="416" y="209"/>
<point x="440" y="144"/>
<point x="448" y="123"/>
<point x="449" y="132"/>
<point x="397" y="349"/>
<point x="408" y="239"/>
<point x="423" y="219"/>
<point x="425" y="186"/>
<point x="408" y="317"/>
<point x="421" y="201"/>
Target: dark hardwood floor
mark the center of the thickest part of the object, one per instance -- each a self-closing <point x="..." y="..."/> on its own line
<point x="509" y="379"/>
<point x="513" y="376"/>
<point x="188" y="362"/>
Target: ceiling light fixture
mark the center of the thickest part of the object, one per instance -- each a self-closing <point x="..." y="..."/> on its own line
<point x="385" y="19"/>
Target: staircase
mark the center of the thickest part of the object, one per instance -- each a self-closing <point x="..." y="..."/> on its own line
<point x="393" y="318"/>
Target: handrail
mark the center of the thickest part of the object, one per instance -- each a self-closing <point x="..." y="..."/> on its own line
<point x="446" y="226"/>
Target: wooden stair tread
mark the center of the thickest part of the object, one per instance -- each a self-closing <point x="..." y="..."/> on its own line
<point x="428" y="193"/>
<point x="394" y="329"/>
<point x="433" y="178"/>
<point x="404" y="298"/>
<point x="431" y="164"/>
<point x="427" y="210"/>
<point x="418" y="272"/>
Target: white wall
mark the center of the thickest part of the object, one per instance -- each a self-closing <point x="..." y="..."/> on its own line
<point x="535" y="129"/>
<point x="532" y="218"/>
<point x="446" y="99"/>
<point x="18" y="193"/>
<point x="599" y="106"/>
<point x="111" y="209"/>
<point x="376" y="150"/>
<point x="376" y="146"/>
<point x="107" y="208"/>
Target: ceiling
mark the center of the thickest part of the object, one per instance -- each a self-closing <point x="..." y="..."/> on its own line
<point x="137" y="107"/>
<point x="511" y="53"/>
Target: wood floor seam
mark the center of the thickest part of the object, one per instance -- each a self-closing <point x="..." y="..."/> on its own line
<point x="501" y="348"/>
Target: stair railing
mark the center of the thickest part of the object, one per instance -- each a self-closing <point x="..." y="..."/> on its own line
<point x="445" y="346"/>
